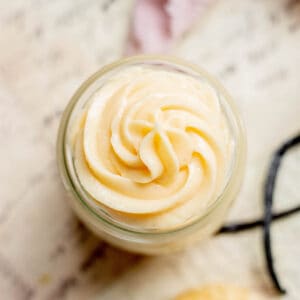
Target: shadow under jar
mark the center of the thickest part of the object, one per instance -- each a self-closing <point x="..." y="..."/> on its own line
<point x="152" y="152"/>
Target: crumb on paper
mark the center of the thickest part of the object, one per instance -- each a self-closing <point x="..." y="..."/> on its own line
<point x="44" y="279"/>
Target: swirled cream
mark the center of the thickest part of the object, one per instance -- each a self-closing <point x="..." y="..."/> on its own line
<point x="152" y="147"/>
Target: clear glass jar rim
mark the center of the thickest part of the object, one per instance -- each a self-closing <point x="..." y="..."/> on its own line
<point x="240" y="143"/>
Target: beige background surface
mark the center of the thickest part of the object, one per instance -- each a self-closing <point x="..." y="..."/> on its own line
<point x="47" y="48"/>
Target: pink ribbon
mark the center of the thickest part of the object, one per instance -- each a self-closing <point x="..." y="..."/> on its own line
<point x="156" y="24"/>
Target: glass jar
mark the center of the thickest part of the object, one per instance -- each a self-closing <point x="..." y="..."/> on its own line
<point x="98" y="219"/>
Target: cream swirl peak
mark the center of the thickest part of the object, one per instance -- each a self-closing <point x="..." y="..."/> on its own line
<point x="153" y="144"/>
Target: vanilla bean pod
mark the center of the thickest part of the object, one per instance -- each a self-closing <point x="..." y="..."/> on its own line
<point x="268" y="215"/>
<point x="242" y="226"/>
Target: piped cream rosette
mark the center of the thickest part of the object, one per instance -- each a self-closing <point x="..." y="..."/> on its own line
<point x="153" y="147"/>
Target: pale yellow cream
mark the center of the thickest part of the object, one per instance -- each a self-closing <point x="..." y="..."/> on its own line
<point x="153" y="147"/>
